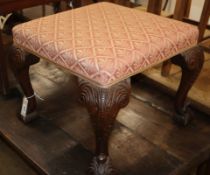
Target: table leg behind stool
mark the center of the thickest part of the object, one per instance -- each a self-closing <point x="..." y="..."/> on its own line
<point x="76" y="3"/>
<point x="20" y="63"/>
<point x="4" y="82"/>
<point x="103" y="106"/>
<point x="191" y="63"/>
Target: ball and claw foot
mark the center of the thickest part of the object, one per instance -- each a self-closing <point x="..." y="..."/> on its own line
<point x="184" y="117"/>
<point x="101" y="165"/>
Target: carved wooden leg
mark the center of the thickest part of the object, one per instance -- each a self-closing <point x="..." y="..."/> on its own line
<point x="103" y="106"/>
<point x="191" y="63"/>
<point x="20" y="62"/>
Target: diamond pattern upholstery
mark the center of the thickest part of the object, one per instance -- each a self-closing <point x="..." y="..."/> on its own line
<point x="105" y="43"/>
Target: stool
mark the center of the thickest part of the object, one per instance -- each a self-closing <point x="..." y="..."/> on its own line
<point x="104" y="45"/>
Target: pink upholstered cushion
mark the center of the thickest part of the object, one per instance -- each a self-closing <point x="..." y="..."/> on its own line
<point x="105" y="43"/>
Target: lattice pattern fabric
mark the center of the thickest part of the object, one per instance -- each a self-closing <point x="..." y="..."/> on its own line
<point x="105" y="43"/>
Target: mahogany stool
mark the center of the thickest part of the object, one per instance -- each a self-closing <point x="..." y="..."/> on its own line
<point x="104" y="45"/>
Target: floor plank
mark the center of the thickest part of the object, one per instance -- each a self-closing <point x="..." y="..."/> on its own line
<point x="48" y="148"/>
<point x="11" y="163"/>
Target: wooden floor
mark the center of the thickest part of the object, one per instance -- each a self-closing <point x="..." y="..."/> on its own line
<point x="145" y="140"/>
<point x="11" y="163"/>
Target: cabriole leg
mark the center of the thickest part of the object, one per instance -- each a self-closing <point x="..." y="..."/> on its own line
<point x="103" y="106"/>
<point x="20" y="62"/>
<point x="191" y="63"/>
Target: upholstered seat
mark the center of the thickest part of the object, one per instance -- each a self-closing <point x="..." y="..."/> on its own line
<point x="105" y="43"/>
